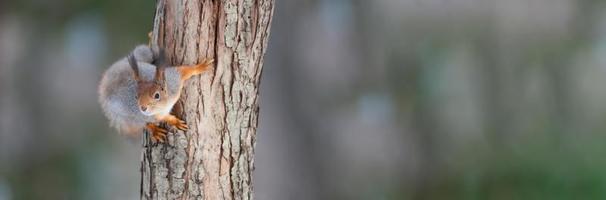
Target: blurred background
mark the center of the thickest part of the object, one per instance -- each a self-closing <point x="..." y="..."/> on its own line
<point x="382" y="99"/>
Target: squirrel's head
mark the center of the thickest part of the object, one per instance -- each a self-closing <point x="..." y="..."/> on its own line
<point x="151" y="95"/>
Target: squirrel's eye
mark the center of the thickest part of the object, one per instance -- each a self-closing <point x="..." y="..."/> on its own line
<point x="157" y="96"/>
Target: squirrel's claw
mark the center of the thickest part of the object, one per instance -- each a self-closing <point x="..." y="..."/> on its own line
<point x="149" y="37"/>
<point x="158" y="133"/>
<point x="175" y="122"/>
<point x="209" y="61"/>
<point x="181" y="125"/>
<point x="158" y="139"/>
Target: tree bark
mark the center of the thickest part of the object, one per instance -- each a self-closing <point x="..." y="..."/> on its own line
<point x="214" y="158"/>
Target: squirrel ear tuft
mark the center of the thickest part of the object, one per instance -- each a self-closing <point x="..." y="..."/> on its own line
<point x="160" y="58"/>
<point x="133" y="64"/>
<point x="159" y="77"/>
<point x="161" y="64"/>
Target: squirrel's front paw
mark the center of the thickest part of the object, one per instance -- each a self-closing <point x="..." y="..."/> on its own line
<point x="174" y="121"/>
<point x="158" y="133"/>
<point x="181" y="125"/>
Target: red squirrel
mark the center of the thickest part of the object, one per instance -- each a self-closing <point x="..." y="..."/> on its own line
<point x="139" y="91"/>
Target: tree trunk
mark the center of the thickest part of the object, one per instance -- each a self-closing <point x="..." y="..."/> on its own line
<point x="214" y="158"/>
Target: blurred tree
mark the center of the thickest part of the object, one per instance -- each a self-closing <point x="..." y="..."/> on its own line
<point x="214" y="158"/>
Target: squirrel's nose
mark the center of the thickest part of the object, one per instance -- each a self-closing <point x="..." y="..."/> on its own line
<point x="143" y="108"/>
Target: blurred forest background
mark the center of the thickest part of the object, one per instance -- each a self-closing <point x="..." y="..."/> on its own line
<point x="381" y="99"/>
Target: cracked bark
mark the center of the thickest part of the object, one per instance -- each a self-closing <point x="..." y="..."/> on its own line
<point x="214" y="158"/>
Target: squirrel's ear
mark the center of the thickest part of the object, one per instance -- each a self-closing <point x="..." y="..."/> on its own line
<point x="161" y="64"/>
<point x="160" y="58"/>
<point x="159" y="78"/>
<point x="133" y="64"/>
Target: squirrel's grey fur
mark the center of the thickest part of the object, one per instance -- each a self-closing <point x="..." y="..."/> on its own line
<point x="118" y="90"/>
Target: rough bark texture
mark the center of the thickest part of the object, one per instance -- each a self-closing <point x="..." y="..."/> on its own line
<point x="214" y="158"/>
